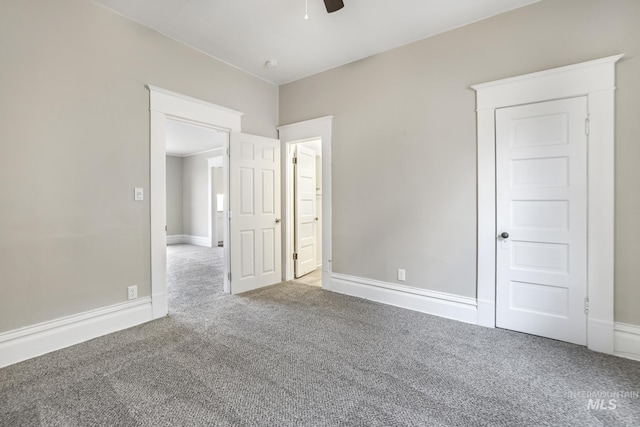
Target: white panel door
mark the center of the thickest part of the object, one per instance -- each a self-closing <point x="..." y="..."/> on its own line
<point x="305" y="211"/>
<point x="254" y="200"/>
<point x="541" y="180"/>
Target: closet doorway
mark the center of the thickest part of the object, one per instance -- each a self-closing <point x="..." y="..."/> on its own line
<point x="318" y="133"/>
<point x="304" y="193"/>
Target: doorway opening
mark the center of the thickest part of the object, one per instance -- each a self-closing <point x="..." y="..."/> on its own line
<point x="195" y="194"/>
<point x="305" y="195"/>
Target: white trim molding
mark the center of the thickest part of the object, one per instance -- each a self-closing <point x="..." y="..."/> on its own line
<point x="198" y="241"/>
<point x="627" y="341"/>
<point x="189" y="110"/>
<point x="25" y="343"/>
<point x="440" y="304"/>
<point x="177" y="239"/>
<point x="320" y="128"/>
<point x="163" y="105"/>
<point x="596" y="80"/>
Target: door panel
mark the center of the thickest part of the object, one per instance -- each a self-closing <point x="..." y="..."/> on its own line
<point x="254" y="199"/>
<point x="550" y="215"/>
<point x="305" y="211"/>
<point x="541" y="173"/>
<point x="268" y="251"/>
<point x="537" y="173"/>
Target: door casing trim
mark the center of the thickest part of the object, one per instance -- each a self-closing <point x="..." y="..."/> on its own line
<point x="596" y="80"/>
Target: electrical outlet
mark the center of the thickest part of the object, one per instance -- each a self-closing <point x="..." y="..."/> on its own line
<point x="132" y="292"/>
<point x="402" y="274"/>
<point x="138" y="193"/>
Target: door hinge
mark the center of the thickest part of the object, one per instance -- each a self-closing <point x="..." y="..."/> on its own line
<point x="229" y="276"/>
<point x="295" y="160"/>
<point x="229" y="214"/>
<point x="586" y="306"/>
<point x="587" y="123"/>
<point x="228" y="152"/>
<point x="295" y="256"/>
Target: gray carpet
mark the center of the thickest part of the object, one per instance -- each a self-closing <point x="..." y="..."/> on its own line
<point x="294" y="354"/>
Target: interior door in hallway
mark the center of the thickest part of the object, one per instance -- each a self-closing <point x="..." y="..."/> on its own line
<point x="305" y="211"/>
<point x="541" y="177"/>
<point x="254" y="200"/>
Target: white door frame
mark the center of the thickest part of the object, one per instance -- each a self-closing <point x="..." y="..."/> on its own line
<point x="290" y="134"/>
<point x="596" y="80"/>
<point x="165" y="104"/>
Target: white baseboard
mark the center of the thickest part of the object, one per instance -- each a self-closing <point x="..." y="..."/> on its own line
<point x="190" y="240"/>
<point x="25" y="343"/>
<point x="437" y="303"/>
<point x="175" y="239"/>
<point x="197" y="240"/>
<point x="627" y="341"/>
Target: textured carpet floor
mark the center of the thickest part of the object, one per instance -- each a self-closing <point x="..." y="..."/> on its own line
<point x="294" y="354"/>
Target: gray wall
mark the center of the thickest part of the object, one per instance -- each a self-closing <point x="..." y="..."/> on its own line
<point x="74" y="129"/>
<point x="187" y="194"/>
<point x="195" y="190"/>
<point x="404" y="140"/>
<point x="174" y="195"/>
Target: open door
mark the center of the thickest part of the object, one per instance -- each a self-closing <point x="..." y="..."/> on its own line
<point x="254" y="200"/>
<point x="305" y="211"/>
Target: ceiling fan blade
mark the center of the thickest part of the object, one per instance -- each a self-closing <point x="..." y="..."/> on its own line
<point x="333" y="5"/>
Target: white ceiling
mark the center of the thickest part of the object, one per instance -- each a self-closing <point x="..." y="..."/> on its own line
<point x="248" y="33"/>
<point x="184" y="139"/>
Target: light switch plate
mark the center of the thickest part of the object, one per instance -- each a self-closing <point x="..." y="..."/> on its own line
<point x="139" y="193"/>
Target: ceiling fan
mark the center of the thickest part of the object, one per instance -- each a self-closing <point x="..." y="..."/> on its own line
<point x="333" y="5"/>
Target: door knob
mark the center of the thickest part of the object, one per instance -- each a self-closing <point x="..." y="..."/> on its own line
<point x="277" y="220"/>
<point x="504" y="235"/>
